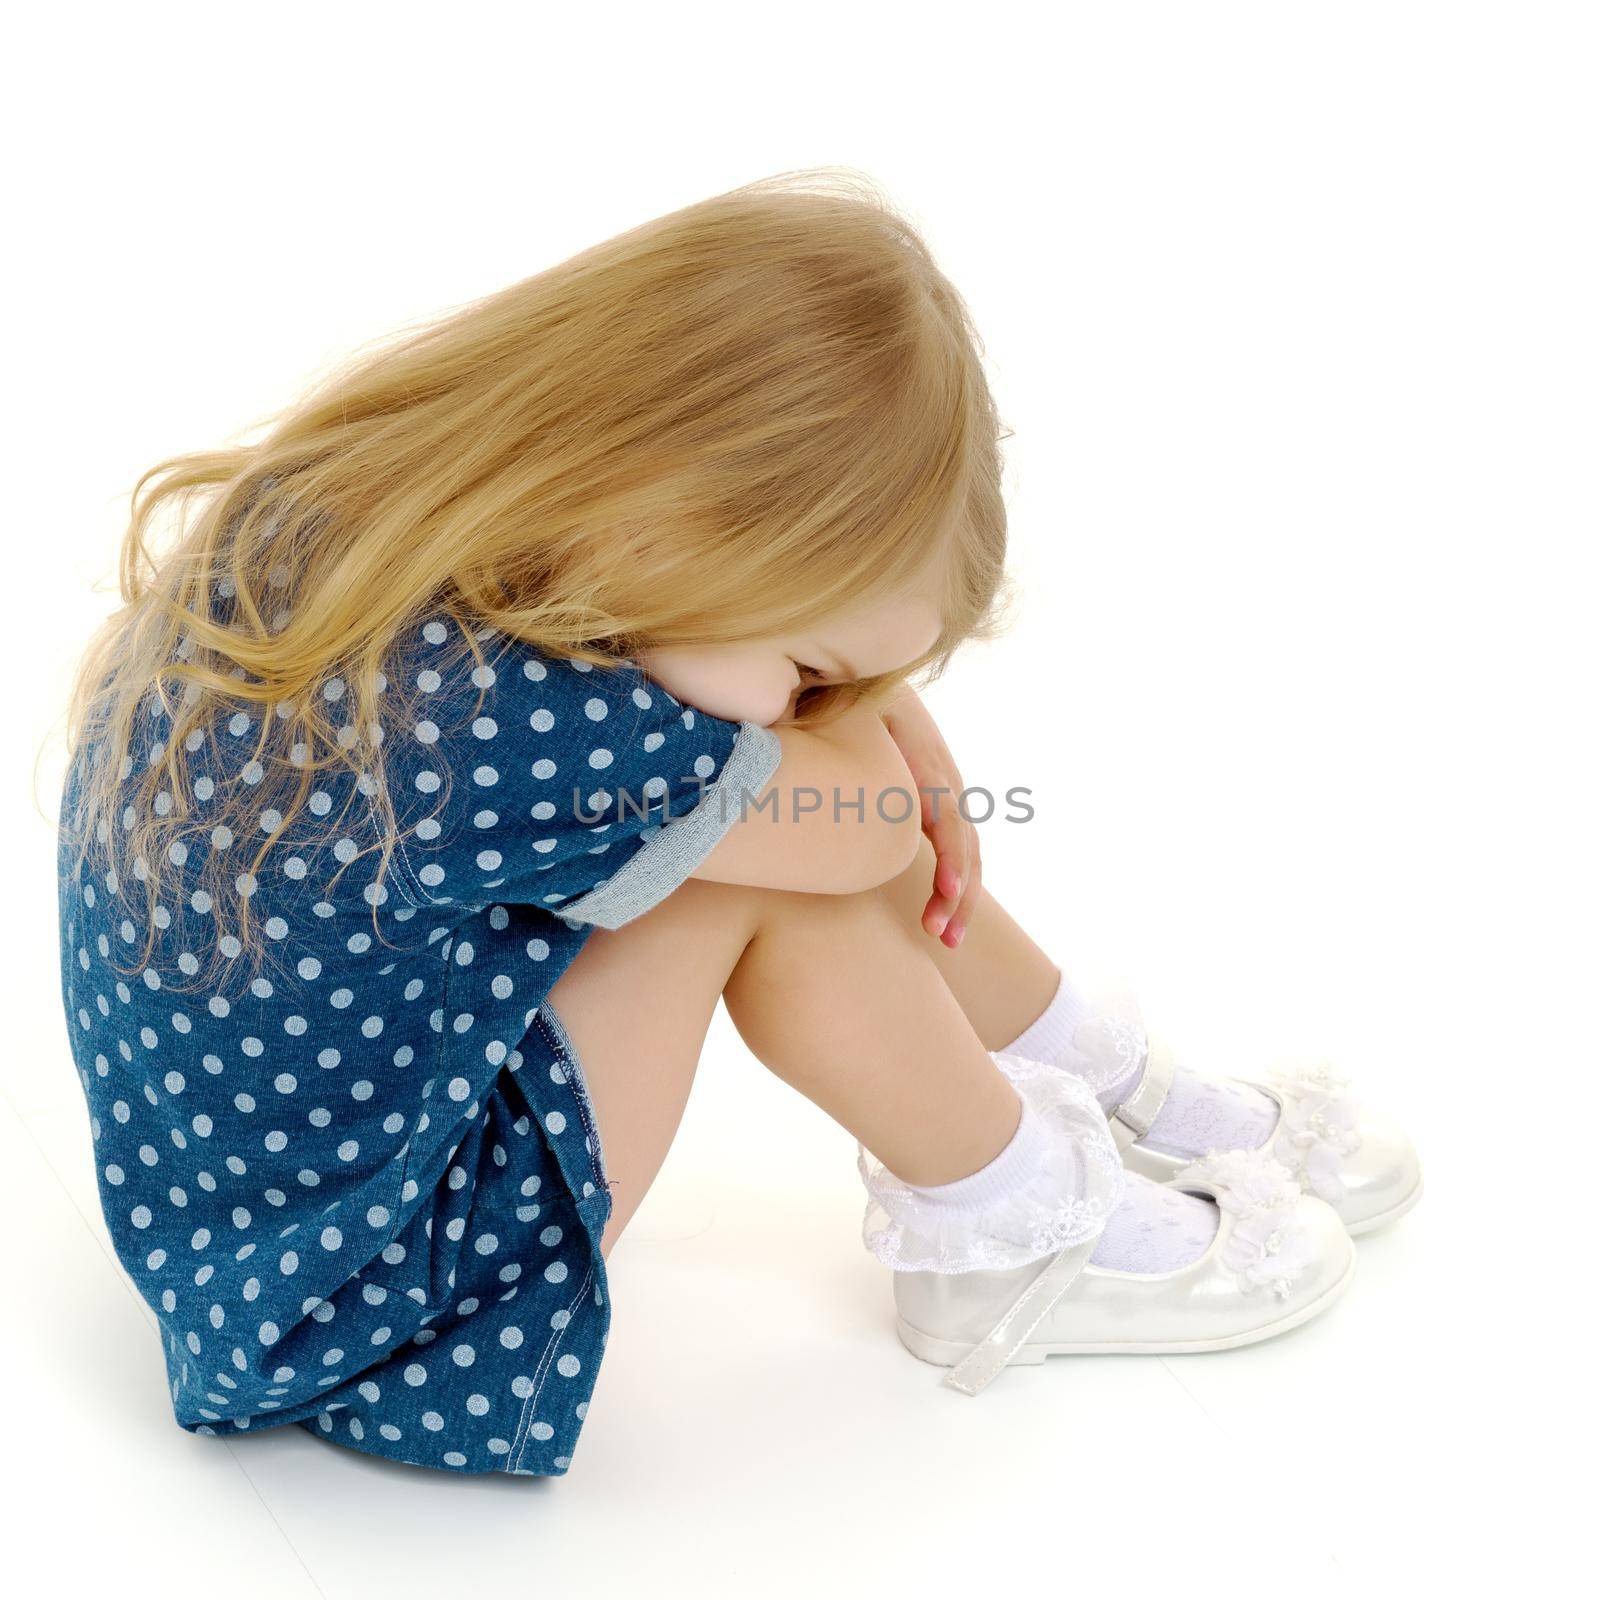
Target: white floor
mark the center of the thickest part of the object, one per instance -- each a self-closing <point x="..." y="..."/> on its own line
<point x="758" y="1428"/>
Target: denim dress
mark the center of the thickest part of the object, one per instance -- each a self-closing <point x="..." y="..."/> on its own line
<point x="362" y="1190"/>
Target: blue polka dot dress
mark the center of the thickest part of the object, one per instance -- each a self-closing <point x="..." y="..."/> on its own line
<point x="363" y="1191"/>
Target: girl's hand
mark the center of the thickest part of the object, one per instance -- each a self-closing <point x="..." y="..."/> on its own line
<point x="957" y="872"/>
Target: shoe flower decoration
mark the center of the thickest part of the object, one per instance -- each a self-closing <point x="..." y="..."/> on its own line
<point x="1267" y="1246"/>
<point x="1318" y="1128"/>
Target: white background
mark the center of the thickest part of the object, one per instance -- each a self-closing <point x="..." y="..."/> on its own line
<point x="1292" y="309"/>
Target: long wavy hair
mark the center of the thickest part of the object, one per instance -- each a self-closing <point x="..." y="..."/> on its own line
<point x="719" y="425"/>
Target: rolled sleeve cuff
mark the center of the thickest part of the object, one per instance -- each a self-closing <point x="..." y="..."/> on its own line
<point x="670" y="854"/>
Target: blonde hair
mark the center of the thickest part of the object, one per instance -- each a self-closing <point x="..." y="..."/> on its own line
<point x="763" y="408"/>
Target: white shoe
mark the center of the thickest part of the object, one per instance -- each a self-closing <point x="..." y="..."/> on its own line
<point x="1357" y="1160"/>
<point x="1342" y="1152"/>
<point x="1278" y="1259"/>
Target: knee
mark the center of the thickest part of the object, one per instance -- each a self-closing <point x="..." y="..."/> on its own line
<point x="914" y="882"/>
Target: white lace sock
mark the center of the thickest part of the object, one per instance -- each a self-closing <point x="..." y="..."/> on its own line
<point x="1154" y="1229"/>
<point x="1200" y="1114"/>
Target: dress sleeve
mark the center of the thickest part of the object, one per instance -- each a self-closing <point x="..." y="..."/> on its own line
<point x="590" y="792"/>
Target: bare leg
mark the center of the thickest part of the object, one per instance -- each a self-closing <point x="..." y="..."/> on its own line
<point x="831" y="991"/>
<point x="637" y="1001"/>
<point x="1002" y="980"/>
<point x="837" y="997"/>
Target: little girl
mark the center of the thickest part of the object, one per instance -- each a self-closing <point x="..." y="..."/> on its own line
<point x="541" y="679"/>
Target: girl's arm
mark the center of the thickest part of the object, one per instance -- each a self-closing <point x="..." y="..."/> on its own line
<point x="839" y="815"/>
<point x="958" y="868"/>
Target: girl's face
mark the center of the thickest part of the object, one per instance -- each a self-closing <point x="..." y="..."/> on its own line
<point x="758" y="680"/>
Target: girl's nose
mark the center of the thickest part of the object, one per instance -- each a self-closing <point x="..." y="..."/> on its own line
<point x="786" y="714"/>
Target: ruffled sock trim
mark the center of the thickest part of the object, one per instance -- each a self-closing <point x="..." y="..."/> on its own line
<point x="1054" y="1190"/>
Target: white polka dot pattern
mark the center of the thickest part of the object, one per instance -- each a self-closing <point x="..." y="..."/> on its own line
<point x="364" y="1194"/>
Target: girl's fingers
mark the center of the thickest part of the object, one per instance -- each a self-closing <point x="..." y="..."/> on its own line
<point x="948" y="832"/>
<point x="949" y="876"/>
<point x="956" y="927"/>
<point x="936" y="914"/>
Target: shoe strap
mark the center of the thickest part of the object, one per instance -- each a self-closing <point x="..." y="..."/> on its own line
<point x="984" y="1362"/>
<point x="1133" y="1118"/>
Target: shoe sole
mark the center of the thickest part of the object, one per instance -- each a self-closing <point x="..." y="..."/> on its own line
<point x="1384" y="1218"/>
<point x="945" y="1353"/>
